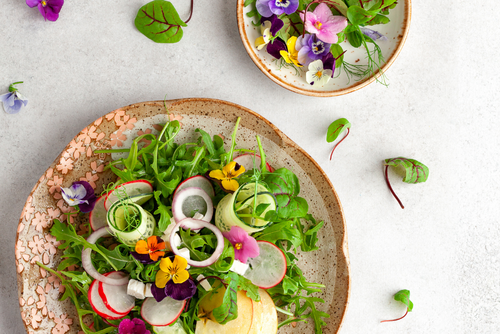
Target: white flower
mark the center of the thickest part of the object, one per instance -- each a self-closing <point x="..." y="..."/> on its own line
<point x="265" y="30"/>
<point x="316" y="74"/>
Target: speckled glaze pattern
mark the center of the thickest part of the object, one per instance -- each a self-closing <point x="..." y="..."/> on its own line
<point x="39" y="291"/>
<point x="396" y="32"/>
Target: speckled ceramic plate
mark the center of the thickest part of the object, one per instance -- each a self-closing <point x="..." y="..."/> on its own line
<point x="396" y="32"/>
<point x="39" y="291"/>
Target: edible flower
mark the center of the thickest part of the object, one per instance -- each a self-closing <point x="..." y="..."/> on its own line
<point x="244" y="245"/>
<point x="265" y="30"/>
<point x="267" y="8"/>
<point x="310" y="48"/>
<point x="276" y="23"/>
<point x="153" y="247"/>
<point x="48" y="8"/>
<point x="175" y="271"/>
<point x="172" y="280"/>
<point x="373" y="34"/>
<point x="227" y="175"/>
<point x="80" y="193"/>
<point x="13" y="101"/>
<point x="132" y="326"/>
<point x="291" y="54"/>
<point x="324" y="24"/>
<point x="275" y="47"/>
<point x="317" y="74"/>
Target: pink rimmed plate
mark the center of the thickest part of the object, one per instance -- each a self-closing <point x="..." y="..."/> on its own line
<point x="396" y="32"/>
<point x="39" y="291"/>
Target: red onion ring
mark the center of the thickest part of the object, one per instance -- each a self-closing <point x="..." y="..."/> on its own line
<point x="87" y="261"/>
<point x="196" y="224"/>
<point x="182" y="195"/>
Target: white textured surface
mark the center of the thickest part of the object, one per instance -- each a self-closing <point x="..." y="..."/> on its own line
<point x="441" y="108"/>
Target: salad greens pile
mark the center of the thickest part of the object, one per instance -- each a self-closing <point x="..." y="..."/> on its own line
<point x="166" y="163"/>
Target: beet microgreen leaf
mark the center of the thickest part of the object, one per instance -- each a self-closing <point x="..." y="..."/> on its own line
<point x="402" y="296"/>
<point x="335" y="129"/>
<point x="159" y="21"/>
<point x="415" y="172"/>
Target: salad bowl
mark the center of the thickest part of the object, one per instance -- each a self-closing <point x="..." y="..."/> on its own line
<point x="395" y="33"/>
<point x="39" y="291"/>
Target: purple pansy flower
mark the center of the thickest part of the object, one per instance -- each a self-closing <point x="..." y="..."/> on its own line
<point x="373" y="34"/>
<point x="48" y="8"/>
<point x="310" y="48"/>
<point x="80" y="193"/>
<point x="13" y="101"/>
<point x="244" y="245"/>
<point x="181" y="291"/>
<point x="329" y="62"/>
<point x="267" y="8"/>
<point x="276" y="23"/>
<point x="275" y="47"/>
<point x="132" y="326"/>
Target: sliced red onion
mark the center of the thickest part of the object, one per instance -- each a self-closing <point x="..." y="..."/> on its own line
<point x="192" y="192"/>
<point x="196" y="224"/>
<point x="87" y="261"/>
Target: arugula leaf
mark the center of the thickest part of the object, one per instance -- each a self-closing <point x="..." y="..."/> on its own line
<point x="280" y="231"/>
<point x="164" y="212"/>
<point x="229" y="309"/>
<point x="415" y="172"/>
<point x="159" y="21"/>
<point x="402" y="296"/>
<point x="251" y="289"/>
<point x="119" y="257"/>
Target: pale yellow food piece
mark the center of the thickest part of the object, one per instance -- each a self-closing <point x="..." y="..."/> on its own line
<point x="270" y="316"/>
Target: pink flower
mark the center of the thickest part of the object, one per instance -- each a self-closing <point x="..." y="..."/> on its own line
<point x="324" y="24"/>
<point x="48" y="8"/>
<point x="244" y="245"/>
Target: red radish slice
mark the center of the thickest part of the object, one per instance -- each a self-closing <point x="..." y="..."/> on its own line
<point x="246" y="160"/>
<point x="267" y="269"/>
<point x="98" y="305"/>
<point x="131" y="188"/>
<point x="192" y="199"/>
<point x="196" y="224"/>
<point x="87" y="261"/>
<point x="115" y="297"/>
<point x="163" y="313"/>
<point x="97" y="217"/>
<point x="197" y="181"/>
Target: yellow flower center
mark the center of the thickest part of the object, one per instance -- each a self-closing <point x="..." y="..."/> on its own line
<point x="238" y="245"/>
<point x="319" y="74"/>
<point x="318" y="25"/>
<point x="44" y="3"/>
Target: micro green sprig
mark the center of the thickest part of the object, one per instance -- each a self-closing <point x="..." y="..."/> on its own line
<point x="404" y="297"/>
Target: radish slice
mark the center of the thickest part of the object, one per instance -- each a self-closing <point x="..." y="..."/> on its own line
<point x="198" y="181"/>
<point x="163" y="313"/>
<point x="192" y="199"/>
<point x="115" y="297"/>
<point x="98" y="305"/>
<point x="97" y="217"/>
<point x="89" y="267"/>
<point x="267" y="269"/>
<point x="130" y="189"/>
<point x="246" y="160"/>
<point x="195" y="224"/>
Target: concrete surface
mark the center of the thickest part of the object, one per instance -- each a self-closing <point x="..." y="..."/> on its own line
<point x="441" y="108"/>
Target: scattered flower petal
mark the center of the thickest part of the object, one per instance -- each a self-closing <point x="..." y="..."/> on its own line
<point x="48" y="8"/>
<point x="373" y="34"/>
<point x="13" y="101"/>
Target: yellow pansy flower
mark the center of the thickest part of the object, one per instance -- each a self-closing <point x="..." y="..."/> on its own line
<point x="227" y="175"/>
<point x="291" y="56"/>
<point x="175" y="271"/>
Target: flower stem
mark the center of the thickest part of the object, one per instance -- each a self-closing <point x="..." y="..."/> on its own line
<point x="397" y="318"/>
<point x="390" y="188"/>
<point x="331" y="154"/>
<point x="190" y="13"/>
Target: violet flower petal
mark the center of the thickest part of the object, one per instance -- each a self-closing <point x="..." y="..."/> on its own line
<point x="276" y="23"/>
<point x="279" y="7"/>
<point x="89" y="199"/>
<point x="373" y="34"/>
<point x="50" y="14"/>
<point x="180" y="291"/>
<point x="158" y="293"/>
<point x="126" y="326"/>
<point x="329" y="62"/>
<point x="263" y="8"/>
<point x="142" y="258"/>
<point x="275" y="47"/>
<point x="32" y="3"/>
<point x="140" y="327"/>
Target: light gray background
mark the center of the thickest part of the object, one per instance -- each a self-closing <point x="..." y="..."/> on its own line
<point x="441" y="108"/>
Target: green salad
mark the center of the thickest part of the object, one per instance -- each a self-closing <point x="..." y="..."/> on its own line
<point x="191" y="238"/>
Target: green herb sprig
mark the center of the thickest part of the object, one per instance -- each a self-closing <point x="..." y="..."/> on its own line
<point x="402" y="296"/>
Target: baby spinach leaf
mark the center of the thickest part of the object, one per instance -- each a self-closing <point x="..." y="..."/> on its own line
<point x="159" y="21"/>
<point x="415" y="172"/>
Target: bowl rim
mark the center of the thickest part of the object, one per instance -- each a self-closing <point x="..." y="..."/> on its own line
<point x="358" y="84"/>
<point x="343" y="277"/>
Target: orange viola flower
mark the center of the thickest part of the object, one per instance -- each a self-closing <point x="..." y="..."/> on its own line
<point x="154" y="247"/>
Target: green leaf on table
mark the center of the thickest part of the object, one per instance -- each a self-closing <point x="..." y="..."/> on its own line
<point x="336" y="128"/>
<point x="159" y="21"/>
<point x="415" y="172"/>
<point x="403" y="296"/>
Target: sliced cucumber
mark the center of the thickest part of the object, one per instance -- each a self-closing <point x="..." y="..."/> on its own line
<point x="118" y="222"/>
